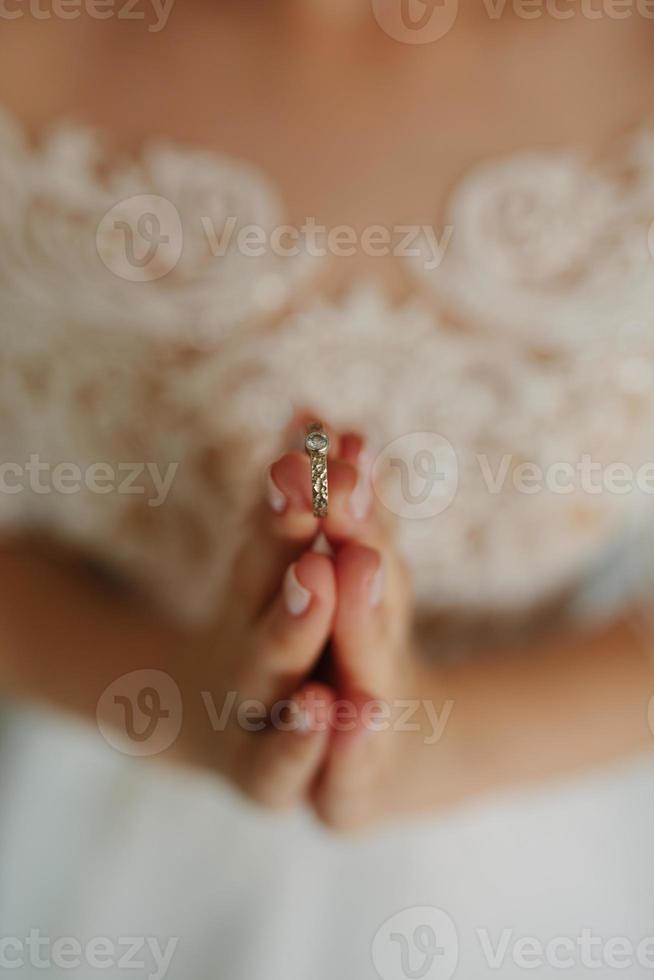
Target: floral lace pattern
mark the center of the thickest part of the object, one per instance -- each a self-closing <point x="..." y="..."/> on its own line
<point x="554" y="250"/>
<point x="531" y="343"/>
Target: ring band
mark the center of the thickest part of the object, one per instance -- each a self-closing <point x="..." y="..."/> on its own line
<point x="316" y="444"/>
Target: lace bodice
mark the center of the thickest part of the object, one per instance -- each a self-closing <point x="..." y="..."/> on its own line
<point x="530" y="343"/>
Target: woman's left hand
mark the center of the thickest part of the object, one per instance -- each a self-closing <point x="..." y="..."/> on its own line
<point x="381" y="757"/>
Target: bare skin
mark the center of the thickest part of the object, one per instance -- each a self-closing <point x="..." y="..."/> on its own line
<point x="288" y="86"/>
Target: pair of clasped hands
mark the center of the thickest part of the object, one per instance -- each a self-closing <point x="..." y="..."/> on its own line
<point x="320" y="641"/>
<point x="341" y="614"/>
<point x="353" y="718"/>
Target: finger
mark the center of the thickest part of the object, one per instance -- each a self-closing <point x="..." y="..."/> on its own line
<point x="293" y="632"/>
<point x="355" y="451"/>
<point x="341" y="792"/>
<point x="349" y="506"/>
<point x="361" y="647"/>
<point x="282" y="764"/>
<point x="283" y="527"/>
<point x="290" y="498"/>
<point x="353" y="512"/>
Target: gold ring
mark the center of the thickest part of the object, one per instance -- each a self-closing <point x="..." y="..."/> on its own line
<point x="316" y="444"/>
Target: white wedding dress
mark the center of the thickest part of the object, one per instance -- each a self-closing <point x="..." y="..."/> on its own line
<point x="531" y="342"/>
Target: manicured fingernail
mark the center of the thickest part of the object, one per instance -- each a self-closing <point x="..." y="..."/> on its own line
<point x="321" y="546"/>
<point x="276" y="498"/>
<point x="361" y="498"/>
<point x="376" y="593"/>
<point x="296" y="597"/>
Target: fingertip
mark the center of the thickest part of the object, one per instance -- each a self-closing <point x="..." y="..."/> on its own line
<point x="277" y="499"/>
<point x="297" y="598"/>
<point x="344" y="516"/>
<point x="357" y="566"/>
<point x="359" y="629"/>
<point x="358" y="720"/>
<point x="352" y="447"/>
<point x="315" y="573"/>
<point x="293" y="630"/>
<point x="313" y="704"/>
<point x="290" y="511"/>
<point x="342" y="477"/>
<point x="286" y="761"/>
<point x="290" y="476"/>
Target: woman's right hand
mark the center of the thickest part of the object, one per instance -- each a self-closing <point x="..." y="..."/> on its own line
<point x="66" y="641"/>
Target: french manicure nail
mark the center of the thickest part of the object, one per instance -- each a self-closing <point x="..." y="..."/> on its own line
<point x="276" y="498"/>
<point x="376" y="593"/>
<point x="296" y="597"/>
<point x="321" y="546"/>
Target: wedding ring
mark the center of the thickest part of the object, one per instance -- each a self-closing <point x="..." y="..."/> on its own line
<point x="316" y="444"/>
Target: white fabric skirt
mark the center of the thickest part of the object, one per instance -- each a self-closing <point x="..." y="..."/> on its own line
<point x="126" y="863"/>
